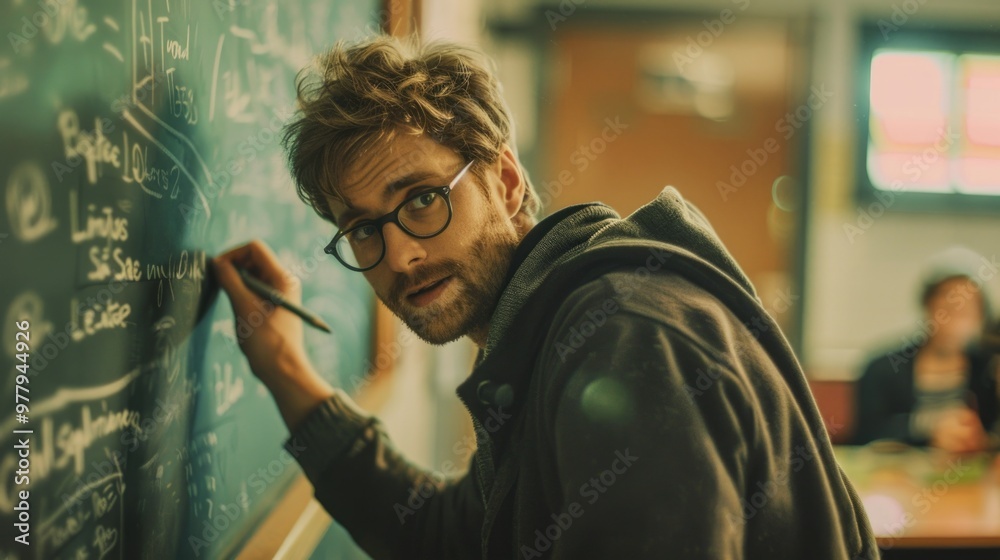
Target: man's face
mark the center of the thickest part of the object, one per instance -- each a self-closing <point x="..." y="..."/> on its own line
<point x="464" y="265"/>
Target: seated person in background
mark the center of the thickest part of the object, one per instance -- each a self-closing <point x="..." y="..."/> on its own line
<point x="940" y="388"/>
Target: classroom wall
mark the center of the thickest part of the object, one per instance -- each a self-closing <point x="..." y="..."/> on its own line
<point x="856" y="295"/>
<point x="606" y="141"/>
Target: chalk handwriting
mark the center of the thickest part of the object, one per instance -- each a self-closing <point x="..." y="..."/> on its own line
<point x="105" y="315"/>
<point x="29" y="202"/>
<point x="100" y="224"/>
<point x="228" y="389"/>
<point x="93" y="146"/>
<point x="189" y="264"/>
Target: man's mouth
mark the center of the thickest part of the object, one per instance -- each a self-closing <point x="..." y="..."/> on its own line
<point x="428" y="292"/>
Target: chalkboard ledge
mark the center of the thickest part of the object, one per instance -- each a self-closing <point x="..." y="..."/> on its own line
<point x="292" y="530"/>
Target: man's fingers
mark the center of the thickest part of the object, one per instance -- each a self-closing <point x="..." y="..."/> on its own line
<point x="258" y="259"/>
<point x="230" y="280"/>
<point x="264" y="263"/>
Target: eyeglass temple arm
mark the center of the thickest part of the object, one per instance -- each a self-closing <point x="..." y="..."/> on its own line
<point x="451" y="186"/>
<point x="458" y="177"/>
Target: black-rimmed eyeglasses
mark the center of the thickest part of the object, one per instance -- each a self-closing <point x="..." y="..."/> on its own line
<point x="422" y="215"/>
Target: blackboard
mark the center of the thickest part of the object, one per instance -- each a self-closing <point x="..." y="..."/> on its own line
<point x="140" y="138"/>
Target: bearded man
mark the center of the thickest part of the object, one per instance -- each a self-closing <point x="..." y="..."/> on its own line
<point x="623" y="407"/>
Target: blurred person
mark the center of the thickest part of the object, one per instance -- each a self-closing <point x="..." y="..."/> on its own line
<point x="622" y="403"/>
<point x="940" y="387"/>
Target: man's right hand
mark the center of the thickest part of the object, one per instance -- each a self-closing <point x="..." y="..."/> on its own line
<point x="271" y="337"/>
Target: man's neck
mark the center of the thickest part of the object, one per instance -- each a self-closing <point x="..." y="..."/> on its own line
<point x="478" y="336"/>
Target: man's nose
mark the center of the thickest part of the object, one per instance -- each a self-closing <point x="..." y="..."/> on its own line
<point x="402" y="250"/>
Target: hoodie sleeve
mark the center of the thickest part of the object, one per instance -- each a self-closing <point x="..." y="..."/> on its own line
<point x="649" y="465"/>
<point x="391" y="508"/>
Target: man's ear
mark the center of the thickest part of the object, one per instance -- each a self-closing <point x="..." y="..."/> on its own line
<point x="511" y="181"/>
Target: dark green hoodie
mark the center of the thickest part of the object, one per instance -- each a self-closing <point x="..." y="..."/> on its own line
<point x="633" y="400"/>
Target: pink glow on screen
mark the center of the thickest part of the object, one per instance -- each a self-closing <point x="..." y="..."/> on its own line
<point x="982" y="99"/>
<point x="935" y="122"/>
<point x="979" y="175"/>
<point x="915" y="170"/>
<point x="909" y="95"/>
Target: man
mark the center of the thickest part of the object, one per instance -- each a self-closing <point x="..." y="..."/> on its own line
<point x="631" y="397"/>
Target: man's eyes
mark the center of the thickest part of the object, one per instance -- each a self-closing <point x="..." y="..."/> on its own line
<point x="363" y="232"/>
<point x="410" y="193"/>
<point x="420" y="201"/>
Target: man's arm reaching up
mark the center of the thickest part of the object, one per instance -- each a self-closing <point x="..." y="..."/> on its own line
<point x="361" y="480"/>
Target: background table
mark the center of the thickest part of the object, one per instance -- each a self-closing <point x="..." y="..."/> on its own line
<point x="919" y="498"/>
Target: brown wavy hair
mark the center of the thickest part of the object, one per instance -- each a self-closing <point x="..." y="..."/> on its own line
<point x="356" y="97"/>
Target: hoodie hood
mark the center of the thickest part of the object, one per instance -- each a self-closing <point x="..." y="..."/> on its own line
<point x="667" y="223"/>
<point x="580" y="243"/>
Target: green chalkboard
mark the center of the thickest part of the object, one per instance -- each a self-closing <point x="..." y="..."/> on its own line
<point x="140" y="138"/>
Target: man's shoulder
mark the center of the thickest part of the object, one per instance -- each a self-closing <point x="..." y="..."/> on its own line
<point x="664" y="297"/>
<point x="661" y="335"/>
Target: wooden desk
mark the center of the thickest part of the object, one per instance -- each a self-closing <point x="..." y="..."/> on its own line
<point x="926" y="498"/>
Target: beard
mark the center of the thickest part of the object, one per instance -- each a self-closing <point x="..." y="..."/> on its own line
<point x="468" y="302"/>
